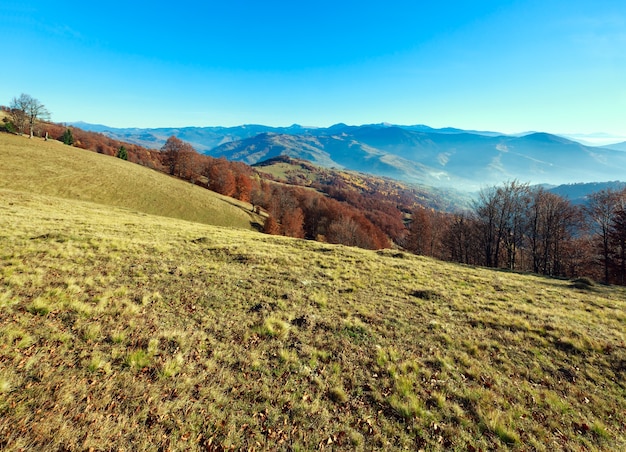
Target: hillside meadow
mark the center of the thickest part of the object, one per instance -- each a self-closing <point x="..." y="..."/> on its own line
<point x="129" y="323"/>
<point x="54" y="169"/>
<point x="126" y="331"/>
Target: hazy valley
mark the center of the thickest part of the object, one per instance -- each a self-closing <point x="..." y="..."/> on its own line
<point x="451" y="158"/>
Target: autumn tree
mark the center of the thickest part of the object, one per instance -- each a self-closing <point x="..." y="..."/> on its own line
<point x="271" y="226"/>
<point x="260" y="195"/>
<point x="177" y="156"/>
<point x="617" y="243"/>
<point x="344" y="231"/>
<point x="419" y="238"/>
<point x="243" y="187"/>
<point x="460" y="239"/>
<point x="26" y="111"/>
<point x="221" y="178"/>
<point x="293" y="223"/>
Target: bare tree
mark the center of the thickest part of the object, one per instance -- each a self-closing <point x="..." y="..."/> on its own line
<point x="26" y="111"/>
<point x="617" y="241"/>
<point x="461" y="239"/>
<point x="601" y="211"/>
<point x="551" y="224"/>
<point x="500" y="213"/>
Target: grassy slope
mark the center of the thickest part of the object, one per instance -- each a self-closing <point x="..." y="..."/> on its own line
<point x="120" y="330"/>
<point x="52" y="168"/>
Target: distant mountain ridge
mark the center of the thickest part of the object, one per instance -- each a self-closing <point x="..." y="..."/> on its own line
<point x="617" y="146"/>
<point x="579" y="193"/>
<point x="445" y="157"/>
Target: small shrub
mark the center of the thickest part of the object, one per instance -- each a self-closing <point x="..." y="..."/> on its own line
<point x="9" y="126"/>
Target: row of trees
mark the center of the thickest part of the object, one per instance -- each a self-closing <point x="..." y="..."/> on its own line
<point x="526" y="228"/>
<point x="27" y="115"/>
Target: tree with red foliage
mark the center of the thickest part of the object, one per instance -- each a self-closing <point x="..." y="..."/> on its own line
<point x="221" y="178"/>
<point x="261" y="195"/>
<point x="176" y="156"/>
<point x="345" y="231"/>
<point x="243" y="187"/>
<point x="355" y="231"/>
<point x="293" y="223"/>
<point x="271" y="226"/>
<point x="419" y="238"/>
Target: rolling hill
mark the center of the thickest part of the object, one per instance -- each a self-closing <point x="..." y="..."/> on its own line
<point x="53" y="169"/>
<point x="461" y="160"/>
<point x="405" y="196"/>
<point x="445" y="157"/>
<point x="579" y="193"/>
<point x="617" y="146"/>
<point x="120" y="329"/>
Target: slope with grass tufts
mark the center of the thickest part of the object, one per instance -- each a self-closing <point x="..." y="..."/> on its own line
<point x="121" y="330"/>
<point x="54" y="169"/>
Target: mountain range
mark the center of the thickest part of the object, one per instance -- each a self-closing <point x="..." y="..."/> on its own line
<point x="448" y="157"/>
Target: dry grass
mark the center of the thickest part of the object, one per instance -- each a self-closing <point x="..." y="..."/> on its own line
<point x="125" y="331"/>
<point x="54" y="169"/>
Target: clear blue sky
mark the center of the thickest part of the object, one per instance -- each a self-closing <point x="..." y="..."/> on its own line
<point x="551" y="65"/>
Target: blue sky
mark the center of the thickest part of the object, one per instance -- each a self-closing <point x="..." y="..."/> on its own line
<point x="511" y="66"/>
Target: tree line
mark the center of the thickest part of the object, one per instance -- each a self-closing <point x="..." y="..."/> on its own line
<point x="290" y="210"/>
<point x="526" y="228"/>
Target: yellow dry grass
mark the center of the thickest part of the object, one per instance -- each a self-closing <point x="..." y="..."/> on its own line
<point x="54" y="169"/>
<point x="120" y="330"/>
